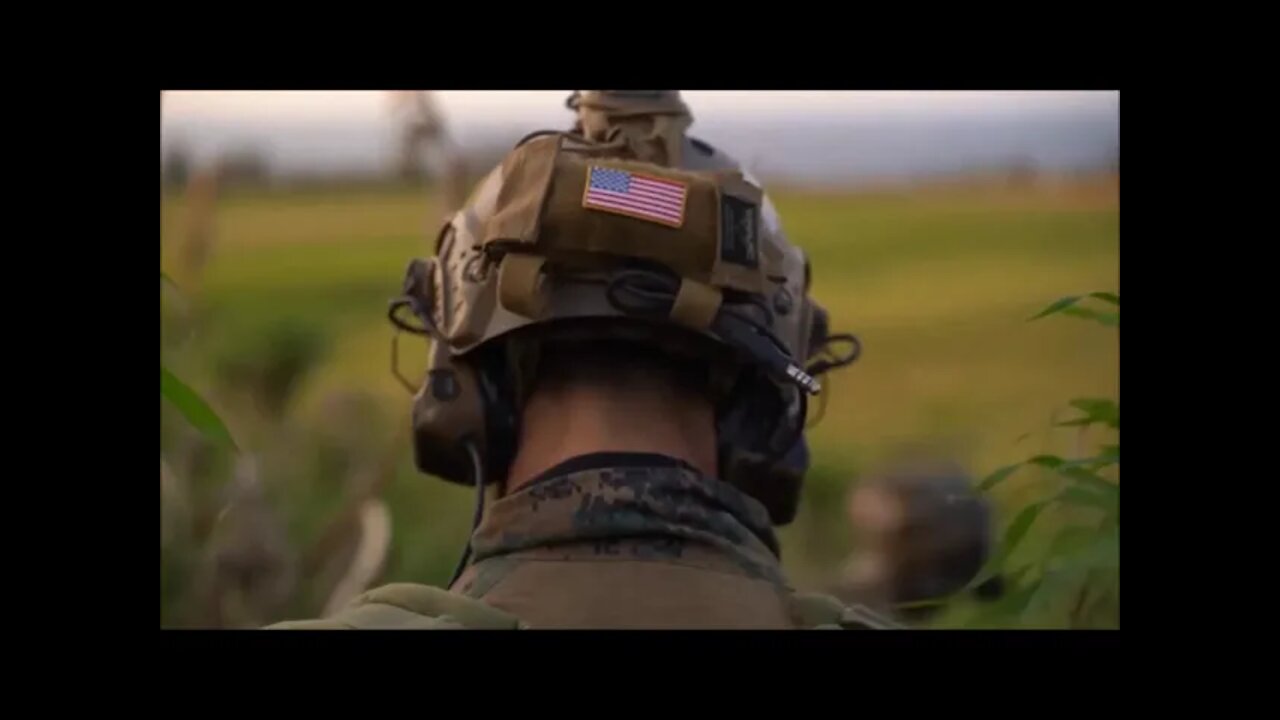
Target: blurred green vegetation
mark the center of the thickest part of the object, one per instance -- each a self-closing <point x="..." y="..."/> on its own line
<point x="284" y="332"/>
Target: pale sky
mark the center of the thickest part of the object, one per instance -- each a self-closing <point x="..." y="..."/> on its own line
<point x="463" y="106"/>
<point x="844" y="132"/>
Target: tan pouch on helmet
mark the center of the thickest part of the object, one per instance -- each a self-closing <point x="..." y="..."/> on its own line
<point x="543" y="209"/>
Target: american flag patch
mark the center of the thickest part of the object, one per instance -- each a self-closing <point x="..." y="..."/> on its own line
<point x="638" y="196"/>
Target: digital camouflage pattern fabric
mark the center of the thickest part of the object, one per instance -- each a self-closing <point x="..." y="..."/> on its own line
<point x="595" y="544"/>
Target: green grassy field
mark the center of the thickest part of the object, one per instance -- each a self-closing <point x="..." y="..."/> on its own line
<point x="938" y="284"/>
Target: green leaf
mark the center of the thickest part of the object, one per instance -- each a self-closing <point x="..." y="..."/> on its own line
<point x="1105" y="551"/>
<point x="1107" y="493"/>
<point x="194" y="408"/>
<point x="1100" y="551"/>
<point x="998" y="476"/>
<point x="1047" y="461"/>
<point x="1090" y="480"/>
<point x="1109" y="319"/>
<point x="1081" y="496"/>
<point x="1071" y="540"/>
<point x="1016" y="602"/>
<point x="1056" y="588"/>
<point x="1057" y="306"/>
<point x="1102" y="410"/>
<point x="994" y="613"/>
<point x="1109" y="297"/>
<point x="1110" y="455"/>
<point x="1019" y="527"/>
<point x="1078" y="462"/>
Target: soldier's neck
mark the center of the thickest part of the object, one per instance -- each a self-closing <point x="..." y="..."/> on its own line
<point x="568" y="422"/>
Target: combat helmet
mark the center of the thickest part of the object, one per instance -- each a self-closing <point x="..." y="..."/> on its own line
<point x="606" y="232"/>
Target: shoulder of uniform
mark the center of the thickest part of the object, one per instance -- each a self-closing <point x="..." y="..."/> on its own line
<point x="816" y="611"/>
<point x="407" y="606"/>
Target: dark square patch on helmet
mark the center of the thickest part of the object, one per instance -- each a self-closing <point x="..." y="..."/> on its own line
<point x="739" y="232"/>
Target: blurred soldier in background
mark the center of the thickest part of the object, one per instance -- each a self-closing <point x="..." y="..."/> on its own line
<point x="922" y="533"/>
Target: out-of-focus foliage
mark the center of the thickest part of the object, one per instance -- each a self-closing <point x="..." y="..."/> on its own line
<point x="1073" y="579"/>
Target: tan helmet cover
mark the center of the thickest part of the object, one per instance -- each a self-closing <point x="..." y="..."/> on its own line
<point x="650" y="123"/>
<point x="503" y="260"/>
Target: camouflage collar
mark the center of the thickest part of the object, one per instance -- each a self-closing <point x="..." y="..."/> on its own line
<point x="663" y="505"/>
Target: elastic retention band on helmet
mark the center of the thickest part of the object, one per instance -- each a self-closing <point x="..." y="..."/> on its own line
<point x="428" y="327"/>
<point x="653" y="294"/>
<point x="797" y="431"/>
<point x="520" y="282"/>
<point x="822" y="405"/>
<point x="696" y="304"/>
<point x="416" y="296"/>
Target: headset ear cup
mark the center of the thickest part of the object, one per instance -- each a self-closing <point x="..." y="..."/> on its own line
<point x="447" y="412"/>
<point x="776" y="485"/>
<point x="753" y="457"/>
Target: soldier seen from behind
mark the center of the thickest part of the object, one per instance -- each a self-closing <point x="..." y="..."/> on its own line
<point x="623" y="348"/>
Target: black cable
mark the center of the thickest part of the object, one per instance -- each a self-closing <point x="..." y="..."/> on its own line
<point x="823" y="365"/>
<point x="645" y="292"/>
<point x="653" y="294"/>
<point x="640" y="292"/>
<point x="797" y="433"/>
<point x="477" y="474"/>
<point x="428" y="327"/>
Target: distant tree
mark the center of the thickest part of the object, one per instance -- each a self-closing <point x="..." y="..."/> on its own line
<point x="1022" y="171"/>
<point x="176" y="167"/>
<point x="246" y="166"/>
<point x="422" y="130"/>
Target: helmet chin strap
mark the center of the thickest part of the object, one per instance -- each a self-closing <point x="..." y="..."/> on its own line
<point x="477" y="470"/>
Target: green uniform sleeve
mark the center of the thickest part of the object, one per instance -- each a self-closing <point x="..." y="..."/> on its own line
<point x="404" y="606"/>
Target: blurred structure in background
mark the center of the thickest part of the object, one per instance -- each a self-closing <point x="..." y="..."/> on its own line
<point x="201" y="224"/>
<point x="350" y="554"/>
<point x="249" y="569"/>
<point x="426" y="147"/>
